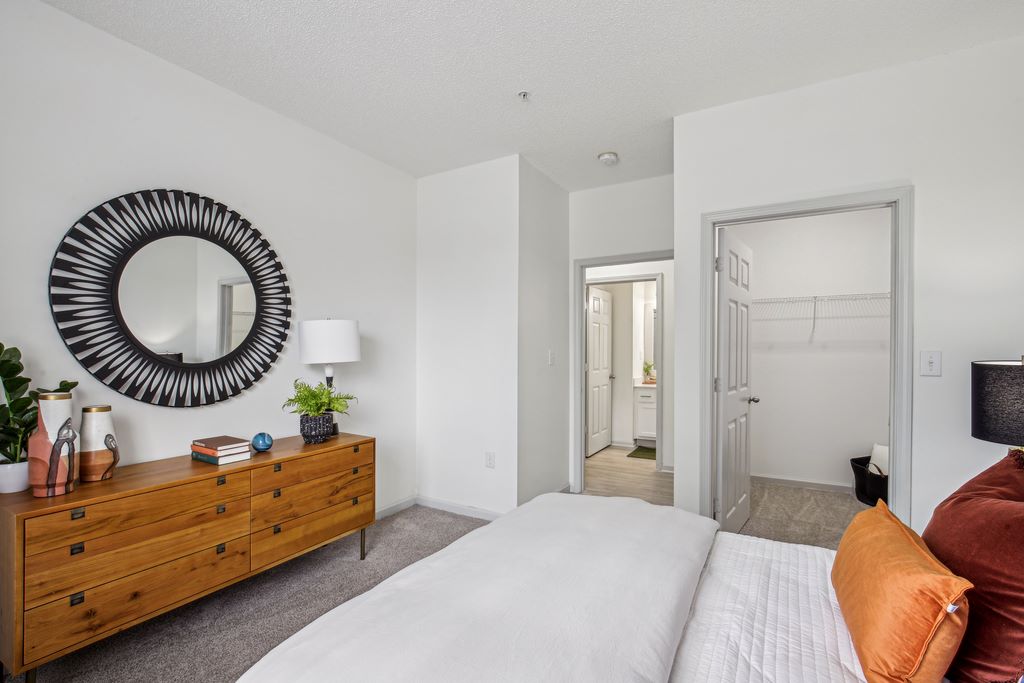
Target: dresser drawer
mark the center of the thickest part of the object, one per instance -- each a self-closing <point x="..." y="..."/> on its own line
<point x="288" y="538"/>
<point x="291" y="472"/>
<point x="61" y="529"/>
<point x="65" y="622"/>
<point x="86" y="564"/>
<point x="281" y="505"/>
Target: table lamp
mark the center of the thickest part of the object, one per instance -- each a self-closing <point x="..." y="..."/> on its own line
<point x="325" y="342"/>
<point x="997" y="402"/>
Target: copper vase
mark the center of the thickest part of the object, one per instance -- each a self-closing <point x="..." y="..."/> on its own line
<point x="53" y="448"/>
<point x="99" y="444"/>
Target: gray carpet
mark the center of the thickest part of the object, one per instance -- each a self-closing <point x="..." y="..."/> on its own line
<point x="219" y="637"/>
<point x="800" y="515"/>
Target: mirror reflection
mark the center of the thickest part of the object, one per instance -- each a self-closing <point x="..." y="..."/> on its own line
<point x="186" y="299"/>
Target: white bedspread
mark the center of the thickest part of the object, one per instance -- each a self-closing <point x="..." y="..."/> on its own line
<point x="766" y="612"/>
<point x="564" y="588"/>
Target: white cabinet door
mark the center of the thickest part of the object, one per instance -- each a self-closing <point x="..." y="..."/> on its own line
<point x="645" y="413"/>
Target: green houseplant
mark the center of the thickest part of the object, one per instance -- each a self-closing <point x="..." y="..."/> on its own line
<point x="19" y="413"/>
<point x="315" y="406"/>
<point x="648" y="369"/>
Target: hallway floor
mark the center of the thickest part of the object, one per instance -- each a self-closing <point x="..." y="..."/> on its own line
<point x="800" y="515"/>
<point x="610" y="473"/>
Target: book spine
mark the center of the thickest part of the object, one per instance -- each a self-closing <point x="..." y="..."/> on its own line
<point x="202" y="457"/>
<point x="214" y="452"/>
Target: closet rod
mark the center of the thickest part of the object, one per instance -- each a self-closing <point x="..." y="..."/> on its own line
<point x="823" y="298"/>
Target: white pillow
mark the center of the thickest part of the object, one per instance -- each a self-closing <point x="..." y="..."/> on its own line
<point x="880" y="458"/>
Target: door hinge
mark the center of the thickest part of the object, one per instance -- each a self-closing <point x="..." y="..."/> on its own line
<point x="719" y="264"/>
<point x="718" y="385"/>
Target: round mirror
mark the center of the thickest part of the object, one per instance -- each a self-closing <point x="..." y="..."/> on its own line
<point x="155" y="293"/>
<point x="186" y="299"/>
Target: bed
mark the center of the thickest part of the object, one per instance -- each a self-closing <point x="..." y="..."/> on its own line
<point x="581" y="588"/>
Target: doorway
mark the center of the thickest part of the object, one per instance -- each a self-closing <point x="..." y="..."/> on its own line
<point x="809" y="367"/>
<point x="625" y="449"/>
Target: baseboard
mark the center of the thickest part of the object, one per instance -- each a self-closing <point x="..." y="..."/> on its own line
<point x="397" y="507"/>
<point x="796" y="483"/>
<point x="623" y="444"/>
<point x="667" y="468"/>
<point x="464" y="510"/>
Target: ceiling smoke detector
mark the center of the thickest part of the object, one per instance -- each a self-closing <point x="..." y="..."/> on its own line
<point x="608" y="158"/>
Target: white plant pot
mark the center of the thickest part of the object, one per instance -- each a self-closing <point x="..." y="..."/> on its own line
<point x="14" y="477"/>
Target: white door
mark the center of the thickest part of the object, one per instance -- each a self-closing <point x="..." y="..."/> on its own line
<point x="599" y="369"/>
<point x="732" y="383"/>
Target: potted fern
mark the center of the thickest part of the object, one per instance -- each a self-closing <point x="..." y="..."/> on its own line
<point x="315" y="406"/>
<point x="19" y="414"/>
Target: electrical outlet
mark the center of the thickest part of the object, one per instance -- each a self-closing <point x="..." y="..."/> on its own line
<point x="489" y="460"/>
<point x="931" y="363"/>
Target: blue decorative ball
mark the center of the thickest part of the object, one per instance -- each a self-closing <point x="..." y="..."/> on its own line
<point x="262" y="442"/>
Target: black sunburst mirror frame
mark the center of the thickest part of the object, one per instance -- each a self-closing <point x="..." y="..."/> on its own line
<point x="84" y="277"/>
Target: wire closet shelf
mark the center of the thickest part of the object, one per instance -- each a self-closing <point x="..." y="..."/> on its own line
<point x="823" y="307"/>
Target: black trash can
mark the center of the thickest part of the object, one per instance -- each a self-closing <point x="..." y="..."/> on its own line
<point x="868" y="484"/>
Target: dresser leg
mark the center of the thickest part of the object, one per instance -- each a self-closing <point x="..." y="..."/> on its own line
<point x="30" y="676"/>
<point x="362" y="544"/>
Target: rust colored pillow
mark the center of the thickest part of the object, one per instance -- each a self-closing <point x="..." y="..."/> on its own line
<point x="905" y="611"/>
<point x="978" y="532"/>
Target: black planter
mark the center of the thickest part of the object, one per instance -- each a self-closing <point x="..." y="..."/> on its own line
<point x="316" y="429"/>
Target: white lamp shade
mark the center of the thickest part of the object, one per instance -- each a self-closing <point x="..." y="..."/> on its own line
<point x="328" y="341"/>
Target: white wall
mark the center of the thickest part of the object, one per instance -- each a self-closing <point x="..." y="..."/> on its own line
<point x="467" y="336"/>
<point x="87" y="117"/>
<point x="948" y="125"/>
<point x="666" y="375"/>
<point x="157" y="296"/>
<point x="213" y="265"/>
<point x="628" y="218"/>
<point x="544" y="280"/>
<point x="824" y="398"/>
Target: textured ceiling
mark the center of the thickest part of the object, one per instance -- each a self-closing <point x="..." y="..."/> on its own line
<point x="430" y="86"/>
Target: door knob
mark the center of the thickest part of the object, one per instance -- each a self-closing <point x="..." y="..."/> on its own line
<point x="611" y="376"/>
<point x="753" y="399"/>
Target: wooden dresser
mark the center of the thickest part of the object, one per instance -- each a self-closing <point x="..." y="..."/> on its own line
<point x="78" y="568"/>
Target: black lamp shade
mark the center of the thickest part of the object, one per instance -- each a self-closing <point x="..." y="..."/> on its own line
<point x="997" y="401"/>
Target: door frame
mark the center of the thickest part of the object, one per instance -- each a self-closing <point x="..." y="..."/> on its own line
<point x="658" y="280"/>
<point x="577" y="352"/>
<point x="901" y="372"/>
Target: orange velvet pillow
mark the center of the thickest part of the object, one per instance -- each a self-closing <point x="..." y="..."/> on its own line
<point x="896" y="600"/>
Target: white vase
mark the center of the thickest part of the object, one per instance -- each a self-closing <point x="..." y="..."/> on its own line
<point x="14" y="477"/>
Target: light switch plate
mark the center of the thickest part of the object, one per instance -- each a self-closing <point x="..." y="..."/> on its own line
<point x="931" y="363"/>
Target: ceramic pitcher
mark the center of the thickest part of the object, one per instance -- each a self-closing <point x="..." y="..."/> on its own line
<point x="53" y="449"/>
<point x="99" y="444"/>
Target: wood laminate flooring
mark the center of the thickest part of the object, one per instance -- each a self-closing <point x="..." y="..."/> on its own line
<point x="610" y="473"/>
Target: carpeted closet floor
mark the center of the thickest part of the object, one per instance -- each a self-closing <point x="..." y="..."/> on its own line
<point x="216" y="639"/>
<point x="800" y="515"/>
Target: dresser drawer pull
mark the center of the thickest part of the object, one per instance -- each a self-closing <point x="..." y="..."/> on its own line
<point x="355" y="449"/>
<point x="355" y="470"/>
<point x="222" y="480"/>
<point x="355" y="501"/>
<point x="220" y="548"/>
<point x="77" y="548"/>
<point x="277" y="467"/>
<point x="277" y="529"/>
<point x="78" y="513"/>
<point x="77" y="598"/>
<point x="277" y="493"/>
<point x="221" y="509"/>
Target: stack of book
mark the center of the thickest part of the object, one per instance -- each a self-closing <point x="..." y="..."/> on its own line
<point x="220" y="450"/>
